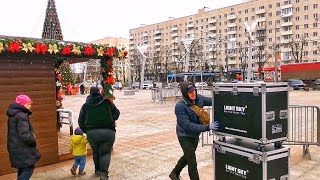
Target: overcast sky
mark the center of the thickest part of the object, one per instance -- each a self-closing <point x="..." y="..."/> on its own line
<point x="88" y="20"/>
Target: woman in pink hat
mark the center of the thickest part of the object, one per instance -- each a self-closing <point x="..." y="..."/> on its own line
<point x="21" y="141"/>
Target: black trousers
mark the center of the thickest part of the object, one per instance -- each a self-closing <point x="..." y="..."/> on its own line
<point x="25" y="173"/>
<point x="189" y="146"/>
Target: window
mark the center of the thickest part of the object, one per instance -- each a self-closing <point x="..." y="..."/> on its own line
<point x="225" y="15"/>
<point x="277" y="30"/>
<point x="297" y="1"/>
<point x="278" y="13"/>
<point x="270" y="31"/>
<point x="315" y="43"/>
<point x="270" y="39"/>
<point x="315" y="15"/>
<point x="315" y="25"/>
<point x="270" y="23"/>
<point x="246" y="18"/>
<point x="252" y="17"/>
<point x="196" y="21"/>
<point x="246" y="11"/>
<point x="270" y="14"/>
<point x="297" y="36"/>
<point x="306" y="8"/>
<point x="270" y="6"/>
<point x="306" y="35"/>
<point x="297" y="27"/>
<point x="278" y="4"/>
<point x="297" y="9"/>
<point x="315" y="34"/>
<point x="277" y="22"/>
<point x="297" y="18"/>
<point x="305" y="17"/>
<point x="239" y="12"/>
<point x="306" y="26"/>
<point x="315" y="52"/>
<point x="239" y="20"/>
<point x="252" y="9"/>
<point x="315" y="6"/>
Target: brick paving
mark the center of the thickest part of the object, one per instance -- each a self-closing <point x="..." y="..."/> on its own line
<point x="146" y="146"/>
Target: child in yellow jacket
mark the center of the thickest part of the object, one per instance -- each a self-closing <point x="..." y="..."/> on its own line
<point x="78" y="148"/>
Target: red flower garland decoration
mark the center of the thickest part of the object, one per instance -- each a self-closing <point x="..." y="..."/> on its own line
<point x="14" y="46"/>
<point x="41" y="48"/>
<point x="110" y="80"/>
<point x="110" y="52"/>
<point x="125" y="53"/>
<point x="66" y="50"/>
<point x="109" y="63"/>
<point x="110" y="70"/>
<point x="89" y="50"/>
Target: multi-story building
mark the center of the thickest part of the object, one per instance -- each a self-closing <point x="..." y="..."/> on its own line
<point x="287" y="31"/>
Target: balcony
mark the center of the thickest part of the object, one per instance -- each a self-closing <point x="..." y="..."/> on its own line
<point x="212" y="21"/>
<point x="157" y="37"/>
<point x="174" y="53"/>
<point x="131" y="48"/>
<point x="232" y="39"/>
<point x="283" y="33"/>
<point x="190" y="25"/>
<point x="131" y="38"/>
<point x="231" y="62"/>
<point x="145" y="40"/>
<point x="287" y="24"/>
<point x="145" y="34"/>
<point x="286" y="15"/>
<point x="157" y="32"/>
<point x="230" y="17"/>
<point x="232" y="55"/>
<point x="190" y="32"/>
<point x="174" y="35"/>
<point x="286" y="6"/>
<point x="175" y="41"/>
<point x="261" y="28"/>
<point x="262" y="19"/>
<point x="212" y="35"/>
<point x="158" y="49"/>
<point x="157" y="43"/>
<point x="286" y="50"/>
<point x="212" y="28"/>
<point x="260" y="11"/>
<point x="232" y="25"/>
<point x="232" y="32"/>
<point x="174" y="29"/>
<point x="285" y="41"/>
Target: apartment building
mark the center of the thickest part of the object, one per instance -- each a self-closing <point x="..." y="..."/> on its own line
<point x="214" y="40"/>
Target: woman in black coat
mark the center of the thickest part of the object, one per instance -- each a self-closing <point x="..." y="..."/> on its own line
<point x="21" y="142"/>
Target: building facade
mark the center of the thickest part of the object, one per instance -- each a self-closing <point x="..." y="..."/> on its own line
<point x="287" y="31"/>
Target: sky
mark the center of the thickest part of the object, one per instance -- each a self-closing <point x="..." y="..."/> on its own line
<point x="89" y="20"/>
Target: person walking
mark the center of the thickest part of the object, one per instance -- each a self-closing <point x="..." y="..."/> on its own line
<point x="97" y="119"/>
<point x="82" y="89"/>
<point x="78" y="148"/>
<point x="190" y="123"/>
<point x="21" y="141"/>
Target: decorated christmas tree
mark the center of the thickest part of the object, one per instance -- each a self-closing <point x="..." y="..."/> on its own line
<point x="67" y="76"/>
<point x="51" y="26"/>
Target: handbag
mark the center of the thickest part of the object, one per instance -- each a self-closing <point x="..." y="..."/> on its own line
<point x="201" y="113"/>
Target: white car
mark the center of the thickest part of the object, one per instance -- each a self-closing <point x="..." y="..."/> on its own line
<point x="147" y="85"/>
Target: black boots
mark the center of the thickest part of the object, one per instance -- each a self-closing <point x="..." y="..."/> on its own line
<point x="104" y="175"/>
<point x="174" y="176"/>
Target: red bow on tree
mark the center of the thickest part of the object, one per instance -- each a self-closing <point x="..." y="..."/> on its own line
<point x="14" y="46"/>
<point x="66" y="50"/>
<point x="41" y="48"/>
<point x="89" y="50"/>
<point x="110" y="52"/>
<point x="110" y="80"/>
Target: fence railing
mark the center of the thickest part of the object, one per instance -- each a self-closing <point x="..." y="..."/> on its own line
<point x="66" y="117"/>
<point x="303" y="128"/>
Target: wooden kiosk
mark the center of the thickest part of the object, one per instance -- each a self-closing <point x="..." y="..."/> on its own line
<point x="27" y="66"/>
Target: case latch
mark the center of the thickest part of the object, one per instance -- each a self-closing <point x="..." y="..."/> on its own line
<point x="283" y="114"/>
<point x="256" y="159"/>
<point x="255" y="91"/>
<point x="270" y="116"/>
<point x="219" y="149"/>
<point x="216" y="90"/>
<point x="234" y="90"/>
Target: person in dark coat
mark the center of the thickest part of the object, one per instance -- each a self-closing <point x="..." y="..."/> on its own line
<point x="97" y="119"/>
<point x="82" y="89"/>
<point x="21" y="141"/>
<point x="188" y="129"/>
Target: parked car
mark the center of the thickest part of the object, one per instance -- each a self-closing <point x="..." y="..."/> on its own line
<point x="118" y="85"/>
<point x="135" y="85"/>
<point x="296" y="84"/>
<point x="316" y="84"/>
<point x="147" y="85"/>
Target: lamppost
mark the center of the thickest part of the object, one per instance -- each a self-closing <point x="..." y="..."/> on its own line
<point x="142" y="50"/>
<point x="249" y="30"/>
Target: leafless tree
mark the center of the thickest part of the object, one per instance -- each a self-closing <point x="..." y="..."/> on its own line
<point x="297" y="48"/>
<point x="136" y="65"/>
<point x="262" y="55"/>
<point x="243" y="55"/>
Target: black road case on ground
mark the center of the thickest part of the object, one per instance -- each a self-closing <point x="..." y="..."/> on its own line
<point x="253" y="111"/>
<point x="239" y="160"/>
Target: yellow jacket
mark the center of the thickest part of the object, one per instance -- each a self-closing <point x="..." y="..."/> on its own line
<point x="78" y="146"/>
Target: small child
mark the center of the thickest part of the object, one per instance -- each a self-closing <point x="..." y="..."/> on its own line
<point x="78" y="148"/>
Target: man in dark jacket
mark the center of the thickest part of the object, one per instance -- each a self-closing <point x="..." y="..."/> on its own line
<point x="97" y="119"/>
<point x="189" y="128"/>
<point x="21" y="142"/>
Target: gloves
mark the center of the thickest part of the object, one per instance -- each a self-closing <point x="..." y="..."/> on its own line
<point x="214" y="126"/>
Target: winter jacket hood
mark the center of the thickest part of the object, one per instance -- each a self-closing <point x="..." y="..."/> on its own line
<point x="16" y="108"/>
<point x="78" y="146"/>
<point x="94" y="100"/>
<point x="184" y="91"/>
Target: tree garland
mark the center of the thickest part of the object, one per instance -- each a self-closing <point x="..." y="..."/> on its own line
<point x="69" y="50"/>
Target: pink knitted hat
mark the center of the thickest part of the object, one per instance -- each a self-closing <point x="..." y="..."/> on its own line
<point x="23" y="99"/>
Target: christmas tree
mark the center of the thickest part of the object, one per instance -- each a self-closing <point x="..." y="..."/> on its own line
<point x="67" y="76"/>
<point x="51" y="26"/>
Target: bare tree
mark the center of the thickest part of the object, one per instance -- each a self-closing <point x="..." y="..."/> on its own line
<point x="262" y="55"/>
<point x="243" y="54"/>
<point x="136" y="65"/>
<point x="297" y="49"/>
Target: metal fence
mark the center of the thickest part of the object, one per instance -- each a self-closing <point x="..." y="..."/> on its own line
<point x="303" y="128"/>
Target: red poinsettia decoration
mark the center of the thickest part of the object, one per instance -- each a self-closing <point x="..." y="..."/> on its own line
<point x="89" y="50"/>
<point x="110" y="52"/>
<point x="125" y="53"/>
<point x="110" y="70"/>
<point x="14" y="46"/>
<point x="110" y="80"/>
<point x="59" y="76"/>
<point x="41" y="48"/>
<point x="66" y="50"/>
<point x="109" y="63"/>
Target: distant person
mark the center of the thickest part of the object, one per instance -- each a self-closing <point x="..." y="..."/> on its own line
<point x="21" y="141"/>
<point x="82" y="89"/>
<point x="69" y="89"/>
<point x="97" y="119"/>
<point x="190" y="124"/>
<point x="78" y="148"/>
<point x="77" y="88"/>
